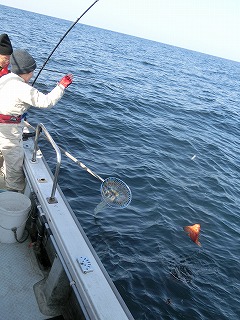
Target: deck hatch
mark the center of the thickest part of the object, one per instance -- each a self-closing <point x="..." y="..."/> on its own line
<point x="85" y="264"/>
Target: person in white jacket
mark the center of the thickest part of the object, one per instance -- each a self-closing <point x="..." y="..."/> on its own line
<point x="16" y="97"/>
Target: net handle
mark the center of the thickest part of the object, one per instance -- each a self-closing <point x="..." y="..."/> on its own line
<point x="79" y="163"/>
<point x="82" y="165"/>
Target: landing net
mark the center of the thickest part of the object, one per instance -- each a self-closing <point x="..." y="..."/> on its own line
<point x="116" y="193"/>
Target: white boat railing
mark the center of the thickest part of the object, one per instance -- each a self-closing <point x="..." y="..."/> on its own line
<point x="40" y="127"/>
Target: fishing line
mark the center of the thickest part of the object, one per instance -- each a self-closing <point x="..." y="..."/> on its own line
<point x="55" y="71"/>
<point x="60" y="72"/>
<point x="62" y="40"/>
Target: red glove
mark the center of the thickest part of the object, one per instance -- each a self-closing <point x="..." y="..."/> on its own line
<point x="66" y="80"/>
<point x="4" y="71"/>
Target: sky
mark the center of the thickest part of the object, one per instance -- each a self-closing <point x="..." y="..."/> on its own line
<point x="208" y="26"/>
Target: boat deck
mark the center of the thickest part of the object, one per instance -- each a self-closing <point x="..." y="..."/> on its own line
<point x="19" y="273"/>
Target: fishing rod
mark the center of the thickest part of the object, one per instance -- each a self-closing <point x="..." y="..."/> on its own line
<point x="62" y="40"/>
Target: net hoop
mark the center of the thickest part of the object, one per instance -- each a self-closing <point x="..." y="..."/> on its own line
<point x="116" y="192"/>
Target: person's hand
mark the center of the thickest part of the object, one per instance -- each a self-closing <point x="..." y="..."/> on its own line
<point x="66" y="80"/>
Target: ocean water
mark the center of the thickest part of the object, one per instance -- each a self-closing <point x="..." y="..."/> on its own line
<point x="166" y="121"/>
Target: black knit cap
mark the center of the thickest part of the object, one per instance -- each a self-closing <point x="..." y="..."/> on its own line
<point x="22" y="62"/>
<point x="5" y="45"/>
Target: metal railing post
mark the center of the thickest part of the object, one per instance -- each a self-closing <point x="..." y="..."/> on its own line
<point x="40" y="126"/>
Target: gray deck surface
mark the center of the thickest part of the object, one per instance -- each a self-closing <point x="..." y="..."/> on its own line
<point x="19" y="272"/>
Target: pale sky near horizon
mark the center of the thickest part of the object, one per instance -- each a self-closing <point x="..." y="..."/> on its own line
<point x="208" y="26"/>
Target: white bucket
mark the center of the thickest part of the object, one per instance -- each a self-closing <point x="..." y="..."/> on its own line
<point x="14" y="209"/>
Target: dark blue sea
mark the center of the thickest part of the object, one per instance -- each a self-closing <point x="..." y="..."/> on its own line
<point x="165" y="120"/>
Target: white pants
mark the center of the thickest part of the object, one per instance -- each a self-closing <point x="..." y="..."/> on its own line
<point x="11" y="147"/>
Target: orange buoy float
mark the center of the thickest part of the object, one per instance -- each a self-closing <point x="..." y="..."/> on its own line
<point x="193" y="232"/>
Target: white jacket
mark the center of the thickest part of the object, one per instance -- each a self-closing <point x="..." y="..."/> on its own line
<point x="16" y="96"/>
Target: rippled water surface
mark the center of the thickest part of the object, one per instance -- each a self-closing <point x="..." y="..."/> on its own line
<point x="166" y="121"/>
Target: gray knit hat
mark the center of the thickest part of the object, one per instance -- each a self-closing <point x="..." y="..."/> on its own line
<point x="22" y="62"/>
<point x="5" y="45"/>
